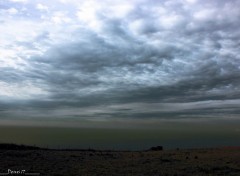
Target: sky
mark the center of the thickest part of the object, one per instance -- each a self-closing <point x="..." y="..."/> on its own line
<point x="121" y="60"/>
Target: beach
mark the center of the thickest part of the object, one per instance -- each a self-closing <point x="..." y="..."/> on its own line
<point x="187" y="162"/>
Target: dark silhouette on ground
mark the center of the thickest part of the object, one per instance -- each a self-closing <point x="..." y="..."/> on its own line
<point x="157" y="148"/>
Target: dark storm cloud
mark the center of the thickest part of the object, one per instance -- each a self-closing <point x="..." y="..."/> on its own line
<point x="160" y="52"/>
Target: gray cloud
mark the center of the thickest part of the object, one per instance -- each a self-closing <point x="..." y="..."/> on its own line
<point x="156" y="53"/>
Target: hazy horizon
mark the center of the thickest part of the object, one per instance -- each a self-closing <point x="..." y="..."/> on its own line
<point x="119" y="136"/>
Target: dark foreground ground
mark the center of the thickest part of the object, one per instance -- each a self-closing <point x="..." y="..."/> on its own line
<point x="224" y="161"/>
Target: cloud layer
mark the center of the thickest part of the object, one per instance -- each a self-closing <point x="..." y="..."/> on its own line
<point x="120" y="59"/>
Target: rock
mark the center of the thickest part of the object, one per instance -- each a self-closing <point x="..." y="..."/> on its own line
<point x="157" y="148"/>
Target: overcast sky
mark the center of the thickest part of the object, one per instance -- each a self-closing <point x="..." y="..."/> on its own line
<point x="121" y="59"/>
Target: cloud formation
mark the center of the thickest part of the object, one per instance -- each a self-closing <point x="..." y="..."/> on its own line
<point x="120" y="59"/>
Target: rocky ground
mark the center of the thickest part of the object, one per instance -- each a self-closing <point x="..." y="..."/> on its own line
<point x="224" y="161"/>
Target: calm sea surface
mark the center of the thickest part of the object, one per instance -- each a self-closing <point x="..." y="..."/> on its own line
<point x="124" y="139"/>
